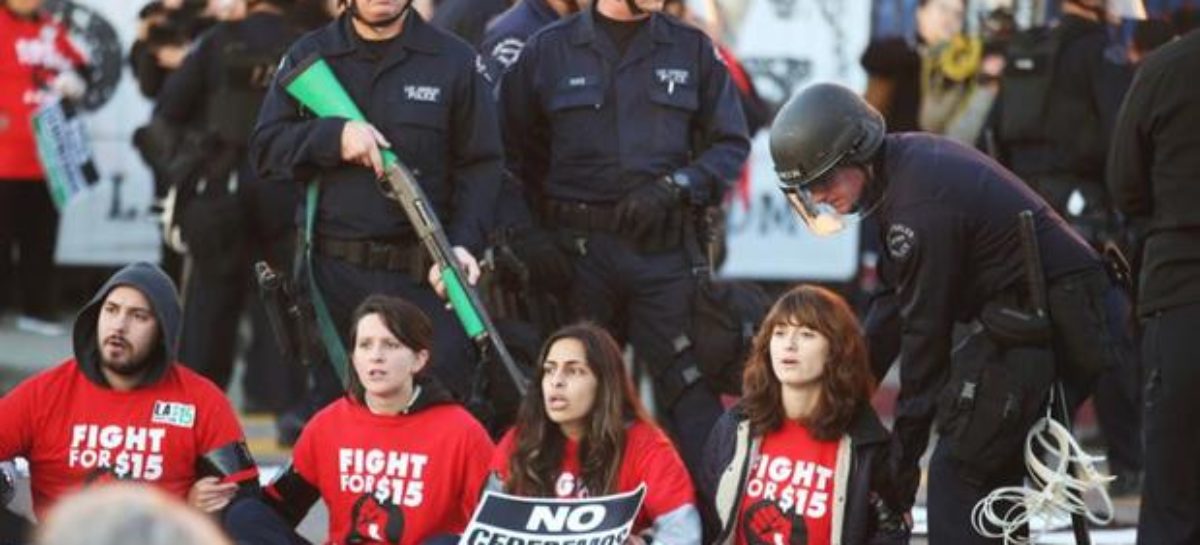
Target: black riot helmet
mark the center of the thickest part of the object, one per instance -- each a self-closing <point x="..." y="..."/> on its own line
<point x="822" y="127"/>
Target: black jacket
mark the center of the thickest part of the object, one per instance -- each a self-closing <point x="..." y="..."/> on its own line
<point x="583" y="123"/>
<point x="866" y="490"/>
<point x="426" y="96"/>
<point x="949" y="230"/>
<point x="1154" y="172"/>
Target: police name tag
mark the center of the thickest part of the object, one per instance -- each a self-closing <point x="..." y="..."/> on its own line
<point x="171" y="413"/>
<point x="423" y="93"/>
<point x="672" y="77"/>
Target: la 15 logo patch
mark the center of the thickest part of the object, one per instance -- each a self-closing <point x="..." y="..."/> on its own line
<point x="172" y="413"/>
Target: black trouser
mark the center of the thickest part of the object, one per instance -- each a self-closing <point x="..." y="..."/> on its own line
<point x="14" y="528"/>
<point x="344" y="286"/>
<point x="250" y="521"/>
<point x="951" y="498"/>
<point x="28" y="229"/>
<point x="645" y="300"/>
<point x="1093" y="324"/>
<point x="1170" y="512"/>
<point x="215" y="296"/>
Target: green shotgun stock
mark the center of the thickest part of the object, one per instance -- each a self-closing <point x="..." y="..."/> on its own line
<point x="315" y="86"/>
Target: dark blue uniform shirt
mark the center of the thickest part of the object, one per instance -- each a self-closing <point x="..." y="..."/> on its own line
<point x="951" y="242"/>
<point x="586" y="124"/>
<point x="506" y="35"/>
<point x="428" y="98"/>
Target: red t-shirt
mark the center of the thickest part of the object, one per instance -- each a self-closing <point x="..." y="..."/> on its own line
<point x="394" y="479"/>
<point x="32" y="53"/>
<point x="790" y="490"/>
<point x="74" y="432"/>
<point x="649" y="458"/>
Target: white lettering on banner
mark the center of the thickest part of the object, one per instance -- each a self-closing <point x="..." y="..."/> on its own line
<point x="392" y="477"/>
<point x="583" y="518"/>
<point x="131" y="452"/>
<point x="796" y="485"/>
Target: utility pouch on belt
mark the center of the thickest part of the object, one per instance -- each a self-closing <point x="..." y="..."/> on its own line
<point x="995" y="393"/>
<point x="1011" y="326"/>
<point x="1000" y="374"/>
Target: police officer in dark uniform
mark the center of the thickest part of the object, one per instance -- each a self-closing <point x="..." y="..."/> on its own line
<point x="948" y="219"/>
<point x="1084" y="93"/>
<point x="619" y="118"/>
<point x="506" y="34"/>
<point x="229" y="216"/>
<point x="1153" y="173"/>
<point x="422" y="91"/>
<point x="467" y="18"/>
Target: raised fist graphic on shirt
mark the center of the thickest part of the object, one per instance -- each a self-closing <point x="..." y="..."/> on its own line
<point x="374" y="522"/>
<point x="764" y="523"/>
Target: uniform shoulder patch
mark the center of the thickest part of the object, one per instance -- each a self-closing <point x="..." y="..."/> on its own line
<point x="482" y="69"/>
<point x="508" y="51"/>
<point x="900" y="240"/>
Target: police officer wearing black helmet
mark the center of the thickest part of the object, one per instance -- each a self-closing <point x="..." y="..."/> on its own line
<point x="948" y="218"/>
<point x="618" y="118"/>
<point x="423" y="96"/>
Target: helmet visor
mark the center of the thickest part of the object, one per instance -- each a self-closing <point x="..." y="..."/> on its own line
<point x="820" y="218"/>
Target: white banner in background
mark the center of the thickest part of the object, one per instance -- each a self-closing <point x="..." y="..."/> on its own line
<point x="108" y="223"/>
<point x="786" y="45"/>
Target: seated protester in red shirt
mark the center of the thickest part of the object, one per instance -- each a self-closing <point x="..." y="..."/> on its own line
<point x="802" y="458"/>
<point x="396" y="460"/>
<point x="123" y="410"/>
<point x="581" y="431"/>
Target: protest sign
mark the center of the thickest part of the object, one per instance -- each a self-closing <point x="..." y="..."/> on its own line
<point x="63" y="149"/>
<point x="503" y="519"/>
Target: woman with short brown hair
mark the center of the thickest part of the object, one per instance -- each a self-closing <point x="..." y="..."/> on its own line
<point x="801" y="459"/>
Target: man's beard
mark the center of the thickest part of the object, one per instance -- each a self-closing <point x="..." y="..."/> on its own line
<point x="127" y="366"/>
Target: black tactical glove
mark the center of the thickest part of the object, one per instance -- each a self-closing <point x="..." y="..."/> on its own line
<point x="543" y="256"/>
<point x="651" y="214"/>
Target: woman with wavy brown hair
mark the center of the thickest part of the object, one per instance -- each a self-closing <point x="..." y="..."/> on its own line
<point x="581" y="431"/>
<point x="801" y="459"/>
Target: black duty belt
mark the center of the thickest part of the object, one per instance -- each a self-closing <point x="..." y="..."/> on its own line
<point x="580" y="216"/>
<point x="389" y="255"/>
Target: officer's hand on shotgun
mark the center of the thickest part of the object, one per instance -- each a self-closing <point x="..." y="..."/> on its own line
<point x="361" y="143"/>
<point x="469" y="266"/>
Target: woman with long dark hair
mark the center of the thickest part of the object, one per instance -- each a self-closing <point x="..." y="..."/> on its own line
<point x="581" y="431"/>
<point x="396" y="460"/>
<point x="801" y="459"/>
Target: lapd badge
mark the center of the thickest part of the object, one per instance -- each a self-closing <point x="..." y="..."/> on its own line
<point x="900" y="240"/>
<point x="508" y="51"/>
